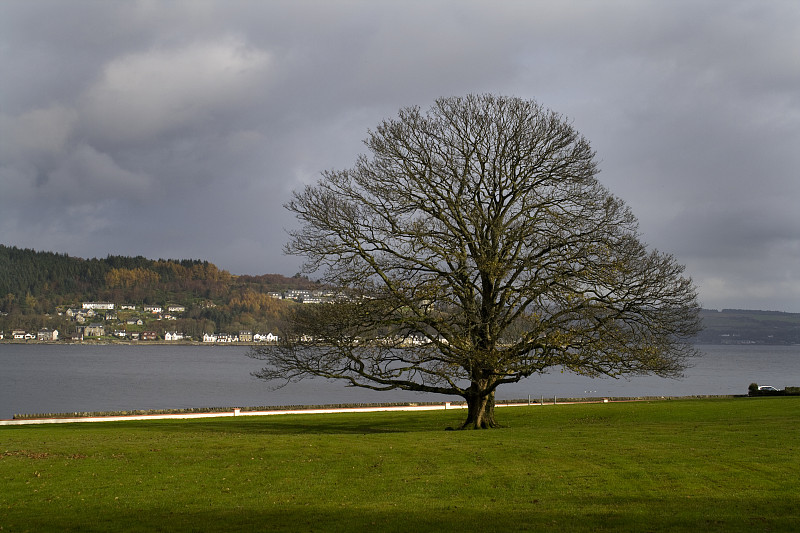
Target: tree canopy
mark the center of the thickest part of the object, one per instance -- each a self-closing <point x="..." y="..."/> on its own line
<point x="480" y="249"/>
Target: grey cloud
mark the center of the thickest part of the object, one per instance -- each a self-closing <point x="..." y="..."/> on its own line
<point x="86" y="175"/>
<point x="143" y="95"/>
<point x="40" y="132"/>
<point x="179" y="129"/>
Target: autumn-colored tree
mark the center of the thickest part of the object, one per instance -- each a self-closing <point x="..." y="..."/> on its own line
<point x="130" y="278"/>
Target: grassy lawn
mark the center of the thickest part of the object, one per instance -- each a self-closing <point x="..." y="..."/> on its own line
<point x="680" y="465"/>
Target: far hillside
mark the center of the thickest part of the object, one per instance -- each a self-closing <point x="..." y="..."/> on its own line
<point x="37" y="288"/>
<point x="736" y="326"/>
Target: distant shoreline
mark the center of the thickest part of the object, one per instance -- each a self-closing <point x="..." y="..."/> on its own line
<point x="18" y="342"/>
<point x="301" y="410"/>
<point x="129" y="343"/>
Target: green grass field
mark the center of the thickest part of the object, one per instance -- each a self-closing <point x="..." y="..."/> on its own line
<point x="673" y="465"/>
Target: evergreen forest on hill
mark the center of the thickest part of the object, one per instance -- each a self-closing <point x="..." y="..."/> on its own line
<point x="36" y="288"/>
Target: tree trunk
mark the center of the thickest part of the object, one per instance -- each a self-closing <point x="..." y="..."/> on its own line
<point x="480" y="412"/>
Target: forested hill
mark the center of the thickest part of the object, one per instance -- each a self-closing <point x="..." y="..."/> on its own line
<point x="35" y="286"/>
<point x="38" y="283"/>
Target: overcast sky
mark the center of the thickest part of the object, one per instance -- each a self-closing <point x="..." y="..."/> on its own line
<point x="179" y="129"/>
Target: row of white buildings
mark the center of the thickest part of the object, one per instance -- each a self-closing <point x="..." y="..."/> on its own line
<point x="305" y="296"/>
<point x="44" y="334"/>
<point x="98" y="330"/>
<point x="107" y="311"/>
<point x="110" y="306"/>
<point x="244" y="336"/>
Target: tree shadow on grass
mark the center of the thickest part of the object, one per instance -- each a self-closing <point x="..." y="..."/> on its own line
<point x="604" y="514"/>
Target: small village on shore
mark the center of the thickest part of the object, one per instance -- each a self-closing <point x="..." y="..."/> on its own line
<point x="105" y="322"/>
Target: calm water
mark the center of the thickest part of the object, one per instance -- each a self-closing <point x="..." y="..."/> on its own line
<point x="51" y="378"/>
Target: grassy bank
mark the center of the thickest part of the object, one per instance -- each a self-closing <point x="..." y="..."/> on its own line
<point x="717" y="465"/>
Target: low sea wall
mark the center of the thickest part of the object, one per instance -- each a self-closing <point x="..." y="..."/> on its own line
<point x="328" y="410"/>
<point x="234" y="412"/>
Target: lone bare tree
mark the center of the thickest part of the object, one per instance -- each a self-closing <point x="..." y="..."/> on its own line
<point x="479" y="249"/>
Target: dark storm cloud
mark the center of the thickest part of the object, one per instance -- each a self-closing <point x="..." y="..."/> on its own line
<point x="178" y="129"/>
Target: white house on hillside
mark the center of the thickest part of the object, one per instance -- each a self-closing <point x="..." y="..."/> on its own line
<point x="46" y="334"/>
<point x="108" y="306"/>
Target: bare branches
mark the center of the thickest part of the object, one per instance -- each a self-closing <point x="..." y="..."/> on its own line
<point x="480" y="227"/>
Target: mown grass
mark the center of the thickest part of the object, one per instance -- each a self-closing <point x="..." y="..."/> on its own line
<point x="680" y="465"/>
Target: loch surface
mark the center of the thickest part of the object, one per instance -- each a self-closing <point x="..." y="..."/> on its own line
<point x="40" y="378"/>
